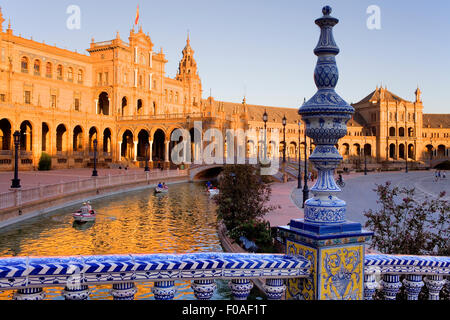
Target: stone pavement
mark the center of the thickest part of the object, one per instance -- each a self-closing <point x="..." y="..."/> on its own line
<point x="30" y="179"/>
<point x="358" y="193"/>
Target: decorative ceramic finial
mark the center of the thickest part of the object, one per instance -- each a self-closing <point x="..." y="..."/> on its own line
<point x="326" y="115"/>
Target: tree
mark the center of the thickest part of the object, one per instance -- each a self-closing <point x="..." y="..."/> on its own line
<point x="243" y="203"/>
<point x="406" y="225"/>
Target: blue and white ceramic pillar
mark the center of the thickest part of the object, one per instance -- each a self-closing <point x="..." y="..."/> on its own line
<point x="334" y="245"/>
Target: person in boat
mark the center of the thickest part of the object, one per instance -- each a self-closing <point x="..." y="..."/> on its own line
<point x="160" y="185"/>
<point x="164" y="186"/>
<point x="208" y="185"/>
<point x="85" y="208"/>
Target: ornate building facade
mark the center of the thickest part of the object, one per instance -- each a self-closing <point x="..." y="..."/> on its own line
<point x="61" y="101"/>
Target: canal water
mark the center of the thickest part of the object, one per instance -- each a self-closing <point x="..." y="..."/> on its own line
<point x="139" y="222"/>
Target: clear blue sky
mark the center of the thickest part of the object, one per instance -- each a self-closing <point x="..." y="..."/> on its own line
<point x="265" y="48"/>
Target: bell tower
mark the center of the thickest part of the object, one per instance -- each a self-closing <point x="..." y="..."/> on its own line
<point x="188" y="75"/>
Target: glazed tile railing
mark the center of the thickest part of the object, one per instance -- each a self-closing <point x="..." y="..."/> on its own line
<point x="383" y="272"/>
<point x="28" y="276"/>
<point x="21" y="197"/>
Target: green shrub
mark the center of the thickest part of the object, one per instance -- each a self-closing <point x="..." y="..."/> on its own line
<point x="45" y="162"/>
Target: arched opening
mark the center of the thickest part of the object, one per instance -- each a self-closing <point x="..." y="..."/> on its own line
<point x="61" y="138"/>
<point x="292" y="151"/>
<point x="392" y="132"/>
<point x="195" y="147"/>
<point x="356" y="149"/>
<point x="182" y="157"/>
<point x="127" y="145"/>
<point x="441" y="151"/>
<point x="143" y="140"/>
<point x="48" y="70"/>
<point x="401" y="151"/>
<point x="107" y="140"/>
<point x="158" y="151"/>
<point x="24" y="64"/>
<point x="140" y="107"/>
<point x="124" y="110"/>
<point x="392" y="151"/>
<point x="410" y="132"/>
<point x="154" y="107"/>
<point x="92" y="136"/>
<point x="45" y="137"/>
<point x="5" y="135"/>
<point x="59" y="72"/>
<point x="26" y="136"/>
<point x="401" y="132"/>
<point x="37" y="67"/>
<point x="411" y="151"/>
<point x="78" y="139"/>
<point x="346" y="149"/>
<point x="103" y="104"/>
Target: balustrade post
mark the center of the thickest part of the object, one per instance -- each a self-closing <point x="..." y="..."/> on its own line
<point x="74" y="290"/>
<point x="29" y="294"/>
<point x="124" y="291"/>
<point x="370" y="285"/>
<point x="334" y="246"/>
<point x="204" y="289"/>
<point x="391" y="286"/>
<point x="434" y="283"/>
<point x="164" y="290"/>
<point x="274" y="289"/>
<point x="413" y="285"/>
<point x="241" y="288"/>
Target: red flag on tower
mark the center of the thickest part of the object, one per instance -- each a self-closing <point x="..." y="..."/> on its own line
<point x="136" y="21"/>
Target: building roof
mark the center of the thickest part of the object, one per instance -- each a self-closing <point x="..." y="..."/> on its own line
<point x="376" y="96"/>
<point x="436" y="120"/>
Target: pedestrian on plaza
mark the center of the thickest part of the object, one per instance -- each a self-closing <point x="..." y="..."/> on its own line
<point x="443" y="175"/>
<point x="436" y="175"/>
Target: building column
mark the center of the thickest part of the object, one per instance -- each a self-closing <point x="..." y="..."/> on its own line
<point x="150" y="151"/>
<point x="120" y="151"/>
<point x="166" y="154"/>
<point x="135" y="150"/>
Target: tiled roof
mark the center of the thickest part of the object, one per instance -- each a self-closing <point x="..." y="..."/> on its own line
<point x="436" y="120"/>
<point x="375" y="95"/>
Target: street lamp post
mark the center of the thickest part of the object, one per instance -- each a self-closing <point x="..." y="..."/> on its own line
<point x="94" y="172"/>
<point x="299" y="179"/>
<point x="284" y="138"/>
<point x="431" y="152"/>
<point x="147" y="169"/>
<point x="406" y="157"/>
<point x="365" y="156"/>
<point x="16" y="180"/>
<point x="265" y="119"/>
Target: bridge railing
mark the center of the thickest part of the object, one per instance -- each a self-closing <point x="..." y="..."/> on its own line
<point x="76" y="276"/>
<point x="20" y="197"/>
<point x="384" y="272"/>
<point x="28" y="276"/>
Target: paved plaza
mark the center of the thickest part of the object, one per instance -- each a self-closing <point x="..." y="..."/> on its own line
<point x="358" y="193"/>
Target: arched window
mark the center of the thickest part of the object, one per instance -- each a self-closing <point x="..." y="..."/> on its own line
<point x="24" y="64"/>
<point x="80" y="76"/>
<point x="401" y="132"/>
<point x="37" y="67"/>
<point x="70" y="74"/>
<point x="48" y="70"/>
<point x="59" y="72"/>
<point x="392" y="132"/>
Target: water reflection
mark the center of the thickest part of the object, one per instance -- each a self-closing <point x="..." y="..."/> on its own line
<point x="140" y="222"/>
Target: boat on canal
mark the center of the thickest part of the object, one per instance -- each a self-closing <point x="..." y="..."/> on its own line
<point x="85" y="213"/>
